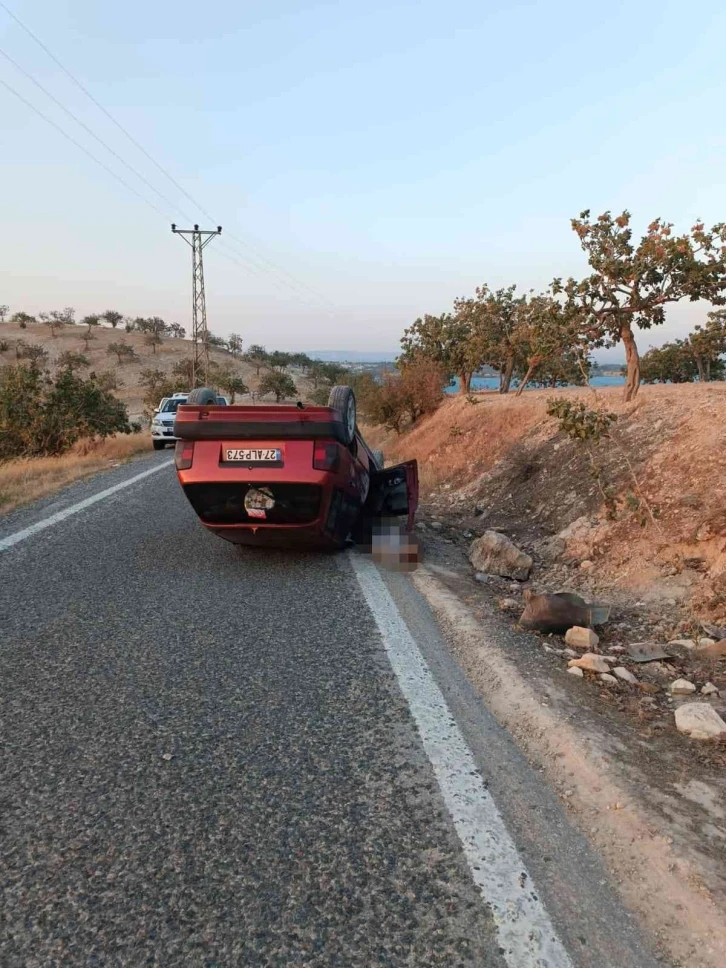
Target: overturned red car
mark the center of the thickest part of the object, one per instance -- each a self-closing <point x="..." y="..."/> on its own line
<point x="287" y="475"/>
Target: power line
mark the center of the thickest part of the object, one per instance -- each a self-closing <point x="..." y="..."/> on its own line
<point x="91" y="132"/>
<point x="83" y="149"/>
<point x="273" y="266"/>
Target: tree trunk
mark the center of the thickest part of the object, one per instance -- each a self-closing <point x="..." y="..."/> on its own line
<point x="508" y="371"/>
<point x="701" y="375"/>
<point x="464" y="382"/>
<point x="632" y="360"/>
<point x="708" y="371"/>
<point x="530" y="370"/>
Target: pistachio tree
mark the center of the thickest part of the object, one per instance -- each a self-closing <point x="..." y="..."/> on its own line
<point x="632" y="283"/>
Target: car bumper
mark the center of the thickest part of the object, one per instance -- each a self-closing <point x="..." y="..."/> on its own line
<point x="159" y="433"/>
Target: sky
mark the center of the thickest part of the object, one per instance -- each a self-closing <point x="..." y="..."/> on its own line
<point x="368" y="162"/>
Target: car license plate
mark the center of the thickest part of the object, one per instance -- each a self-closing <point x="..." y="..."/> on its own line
<point x="253" y="455"/>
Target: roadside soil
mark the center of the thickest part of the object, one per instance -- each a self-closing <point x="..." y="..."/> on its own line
<point x="26" y="480"/>
<point x="656" y="552"/>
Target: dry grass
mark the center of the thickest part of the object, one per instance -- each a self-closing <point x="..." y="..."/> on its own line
<point x="23" y="481"/>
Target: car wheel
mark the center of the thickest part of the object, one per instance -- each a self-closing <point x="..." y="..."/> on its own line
<point x="342" y="399"/>
<point x="379" y="459"/>
<point x="159" y="444"/>
<point x="202" y="395"/>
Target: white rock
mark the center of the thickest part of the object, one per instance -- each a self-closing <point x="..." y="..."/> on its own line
<point x="704" y="642"/>
<point x="587" y="565"/>
<point x="581" y="638"/>
<point x="699" y="721"/>
<point x="590" y="662"/>
<point x="625" y="674"/>
<point x="481" y="577"/>
<point x="436" y="525"/>
<point x="616" y="648"/>
<point x="495" y="554"/>
<point x="682" y="687"/>
<point x="611" y="680"/>
<point x="576" y="671"/>
<point x="571" y="653"/>
<point x="709" y="689"/>
<point x="684" y="643"/>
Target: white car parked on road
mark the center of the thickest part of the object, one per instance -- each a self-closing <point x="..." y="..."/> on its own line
<point x="162" y="425"/>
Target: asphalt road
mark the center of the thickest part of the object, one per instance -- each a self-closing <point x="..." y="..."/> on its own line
<point x="208" y="760"/>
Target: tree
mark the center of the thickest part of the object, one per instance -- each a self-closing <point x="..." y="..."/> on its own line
<point x="176" y="331"/>
<point x="257" y="356"/>
<point x="570" y="369"/>
<point x="630" y="285"/>
<point x="282" y="385"/>
<point x="113" y="317"/>
<point x="54" y="320"/>
<point x="547" y="332"/>
<point x="91" y="321"/>
<point x="416" y="390"/>
<point x="4" y="309"/>
<point x="235" y="344"/>
<point x="22" y="319"/>
<point x="707" y="344"/>
<point x="19" y="346"/>
<point x="279" y="361"/>
<point x="153" y="340"/>
<point x="68" y="360"/>
<point x="43" y="415"/>
<point x="87" y="336"/>
<point x="218" y="341"/>
<point x="122" y="350"/>
<point x="493" y="319"/>
<point x="231" y="383"/>
<point x="446" y="340"/>
<point x="33" y="352"/>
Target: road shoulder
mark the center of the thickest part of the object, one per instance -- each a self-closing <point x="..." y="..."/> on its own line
<point x="659" y="871"/>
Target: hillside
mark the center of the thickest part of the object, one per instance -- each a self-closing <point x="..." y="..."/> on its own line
<point x="130" y="390"/>
<point x="502" y="462"/>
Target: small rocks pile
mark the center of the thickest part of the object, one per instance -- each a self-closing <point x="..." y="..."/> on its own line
<point x="494" y="554"/>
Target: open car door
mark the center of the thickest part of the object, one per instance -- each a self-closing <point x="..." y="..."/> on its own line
<point x="394" y="492"/>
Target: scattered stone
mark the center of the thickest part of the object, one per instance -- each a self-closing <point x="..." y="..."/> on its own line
<point x="625" y="674"/>
<point x="468" y="534"/>
<point x="709" y="690"/>
<point x="683" y="643"/>
<point x="616" y="648"/>
<point x="699" y="721"/>
<point x="436" y="525"/>
<point x="611" y="680"/>
<point x="649" y="687"/>
<point x="682" y="687"/>
<point x="495" y="554"/>
<point x="560" y="611"/>
<point x="571" y="653"/>
<point x="581" y="638"/>
<point x="167" y="756"/>
<point x="715" y="651"/>
<point x="481" y="577"/>
<point x="576" y="671"/>
<point x="587" y="565"/>
<point x="647" y="652"/>
<point x="704" y="642"/>
<point x="590" y="662"/>
<point x="508" y="604"/>
<point x="716" y="632"/>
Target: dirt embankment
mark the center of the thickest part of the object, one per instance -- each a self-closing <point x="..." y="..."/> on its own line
<point x="502" y="462"/>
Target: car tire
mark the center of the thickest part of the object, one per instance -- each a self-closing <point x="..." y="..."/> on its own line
<point x="342" y="399"/>
<point x="159" y="444"/>
<point x="203" y="396"/>
<point x="379" y="459"/>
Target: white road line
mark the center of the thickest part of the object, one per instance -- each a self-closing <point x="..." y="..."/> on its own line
<point x="526" y="934"/>
<point x="59" y="516"/>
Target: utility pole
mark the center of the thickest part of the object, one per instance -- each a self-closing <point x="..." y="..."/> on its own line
<point x="198" y="238"/>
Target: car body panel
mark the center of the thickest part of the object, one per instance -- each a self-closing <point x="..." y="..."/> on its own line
<point x="304" y="504"/>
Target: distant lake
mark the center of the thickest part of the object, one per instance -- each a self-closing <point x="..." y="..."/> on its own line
<point x="492" y="383"/>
